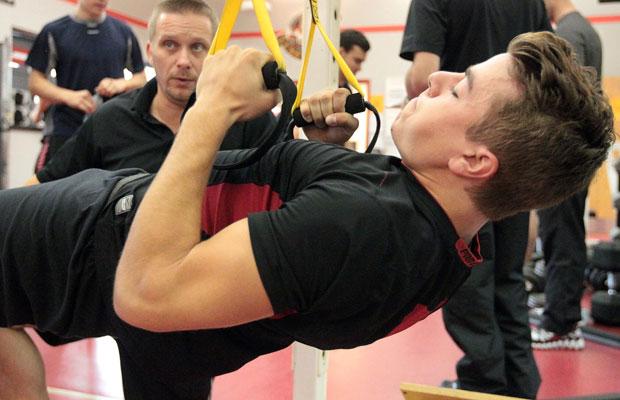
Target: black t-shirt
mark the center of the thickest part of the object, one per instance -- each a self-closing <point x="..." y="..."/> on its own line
<point x="353" y="249"/>
<point x="123" y="134"/>
<point x="466" y="32"/>
<point x="349" y="247"/>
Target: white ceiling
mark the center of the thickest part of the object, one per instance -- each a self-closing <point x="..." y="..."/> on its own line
<point x="141" y="9"/>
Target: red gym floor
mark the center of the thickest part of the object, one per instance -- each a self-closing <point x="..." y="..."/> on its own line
<point x="423" y="354"/>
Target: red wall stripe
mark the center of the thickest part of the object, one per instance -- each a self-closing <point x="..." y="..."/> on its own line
<point x="20" y="49"/>
<point x="604" y="19"/>
<point x="245" y="35"/>
<point x="378" y="28"/>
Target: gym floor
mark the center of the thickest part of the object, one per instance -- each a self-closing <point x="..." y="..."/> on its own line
<point x="422" y="354"/>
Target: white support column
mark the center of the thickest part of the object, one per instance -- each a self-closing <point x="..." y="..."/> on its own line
<point x="310" y="364"/>
<point x="309" y="373"/>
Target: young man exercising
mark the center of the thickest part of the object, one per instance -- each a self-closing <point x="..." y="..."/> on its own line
<point x="313" y="243"/>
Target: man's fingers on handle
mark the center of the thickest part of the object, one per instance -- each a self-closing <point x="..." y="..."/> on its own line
<point x="342" y="120"/>
<point x="340" y="99"/>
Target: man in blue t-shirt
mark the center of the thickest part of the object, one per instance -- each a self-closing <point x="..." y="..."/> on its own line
<point x="89" y="51"/>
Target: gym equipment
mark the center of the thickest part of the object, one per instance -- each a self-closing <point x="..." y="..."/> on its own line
<point x="534" y="274"/>
<point x="354" y="101"/>
<point x="596" y="278"/>
<point x="274" y="74"/>
<point x="606" y="304"/>
<point x="606" y="257"/>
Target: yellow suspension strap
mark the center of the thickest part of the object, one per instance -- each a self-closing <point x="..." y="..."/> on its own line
<point x="274" y="74"/>
<point x="346" y="71"/>
<point x="229" y="16"/>
<point x="355" y="102"/>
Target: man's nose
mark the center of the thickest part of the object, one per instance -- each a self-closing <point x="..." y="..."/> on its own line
<point x="183" y="59"/>
<point x="435" y="83"/>
<point x="440" y="80"/>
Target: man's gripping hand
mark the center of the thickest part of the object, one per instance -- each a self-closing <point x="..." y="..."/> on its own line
<point x="232" y="81"/>
<point x="330" y="122"/>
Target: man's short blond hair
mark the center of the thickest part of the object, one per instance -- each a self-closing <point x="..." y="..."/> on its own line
<point x="198" y="7"/>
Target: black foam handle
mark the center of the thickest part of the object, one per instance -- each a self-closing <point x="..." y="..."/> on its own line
<point x="271" y="75"/>
<point x="353" y="105"/>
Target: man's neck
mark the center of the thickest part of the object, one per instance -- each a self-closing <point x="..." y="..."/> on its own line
<point x="167" y="112"/>
<point x="82" y="15"/>
<point x="457" y="204"/>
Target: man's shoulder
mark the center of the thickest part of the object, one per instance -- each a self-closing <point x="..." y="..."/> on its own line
<point x="123" y="100"/>
<point x="58" y="24"/>
<point x="573" y="22"/>
<point x="117" y="109"/>
<point x="118" y="24"/>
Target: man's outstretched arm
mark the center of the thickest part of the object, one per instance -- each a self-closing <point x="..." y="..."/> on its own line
<point x="167" y="279"/>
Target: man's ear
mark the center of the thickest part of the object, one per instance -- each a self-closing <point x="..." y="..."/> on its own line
<point x="149" y="52"/>
<point x="477" y="163"/>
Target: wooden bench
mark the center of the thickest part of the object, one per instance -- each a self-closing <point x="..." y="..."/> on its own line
<point x="414" y="391"/>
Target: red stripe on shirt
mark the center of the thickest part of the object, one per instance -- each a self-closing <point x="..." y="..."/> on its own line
<point x="226" y="203"/>
<point x="418" y="314"/>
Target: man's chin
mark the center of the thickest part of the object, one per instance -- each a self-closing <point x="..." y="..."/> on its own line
<point x="180" y="96"/>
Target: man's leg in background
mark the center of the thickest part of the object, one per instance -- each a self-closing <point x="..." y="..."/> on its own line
<point x="562" y="233"/>
<point x="511" y="236"/>
<point x="22" y="375"/>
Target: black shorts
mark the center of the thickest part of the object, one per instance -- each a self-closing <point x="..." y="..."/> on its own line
<point x="50" y="277"/>
<point x="59" y="246"/>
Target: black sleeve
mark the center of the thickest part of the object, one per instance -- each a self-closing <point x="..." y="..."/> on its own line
<point x="322" y="251"/>
<point x="425" y="29"/>
<point x="77" y="154"/>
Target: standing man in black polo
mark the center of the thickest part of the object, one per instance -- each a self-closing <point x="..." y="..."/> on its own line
<point x="487" y="317"/>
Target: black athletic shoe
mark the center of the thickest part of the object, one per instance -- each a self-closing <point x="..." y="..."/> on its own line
<point x="450" y="384"/>
<point x="546" y="340"/>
